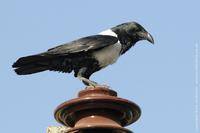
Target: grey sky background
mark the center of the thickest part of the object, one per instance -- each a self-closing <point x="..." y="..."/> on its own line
<point x="160" y="78"/>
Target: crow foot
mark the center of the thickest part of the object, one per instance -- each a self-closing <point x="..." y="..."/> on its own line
<point x="90" y="83"/>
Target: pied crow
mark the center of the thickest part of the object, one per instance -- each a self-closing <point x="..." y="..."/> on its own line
<point x="86" y="55"/>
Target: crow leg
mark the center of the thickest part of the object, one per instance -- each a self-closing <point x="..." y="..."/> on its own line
<point x="94" y="84"/>
<point x="88" y="82"/>
<point x="83" y="75"/>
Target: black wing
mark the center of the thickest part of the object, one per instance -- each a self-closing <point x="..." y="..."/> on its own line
<point x="83" y="45"/>
<point x="54" y="57"/>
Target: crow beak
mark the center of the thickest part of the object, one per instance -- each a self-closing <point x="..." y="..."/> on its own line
<point x="149" y="38"/>
<point x="146" y="36"/>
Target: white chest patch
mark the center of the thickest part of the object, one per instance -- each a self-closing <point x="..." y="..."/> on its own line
<point x="110" y="54"/>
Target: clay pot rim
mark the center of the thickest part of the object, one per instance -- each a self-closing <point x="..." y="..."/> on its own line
<point x="74" y="104"/>
<point x="113" y="128"/>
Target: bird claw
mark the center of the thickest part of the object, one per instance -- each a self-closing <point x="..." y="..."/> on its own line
<point x="103" y="86"/>
<point x="91" y="83"/>
<point x="88" y="82"/>
<point x="98" y="86"/>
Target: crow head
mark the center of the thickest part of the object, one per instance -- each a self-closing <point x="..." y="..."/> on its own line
<point x="133" y="31"/>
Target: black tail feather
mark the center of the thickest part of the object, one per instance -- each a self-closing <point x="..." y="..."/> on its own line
<point x="41" y="62"/>
<point x="31" y="64"/>
<point x="24" y="70"/>
<point x="23" y="61"/>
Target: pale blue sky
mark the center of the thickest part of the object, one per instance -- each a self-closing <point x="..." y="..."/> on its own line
<point x="159" y="78"/>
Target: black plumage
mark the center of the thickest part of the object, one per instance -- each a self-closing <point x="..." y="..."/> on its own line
<point x="86" y="55"/>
